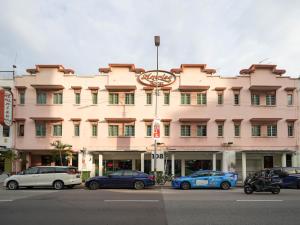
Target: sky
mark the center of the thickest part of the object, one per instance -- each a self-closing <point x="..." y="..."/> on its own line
<point x="227" y="35"/>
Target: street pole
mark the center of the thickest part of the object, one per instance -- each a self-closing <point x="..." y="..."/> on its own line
<point x="157" y="43"/>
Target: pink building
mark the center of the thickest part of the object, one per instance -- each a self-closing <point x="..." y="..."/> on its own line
<point x="242" y="123"/>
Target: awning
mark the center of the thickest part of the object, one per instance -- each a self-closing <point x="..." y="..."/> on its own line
<point x="291" y="120"/>
<point x="19" y="119"/>
<point x="220" y="88"/>
<point x="259" y="120"/>
<point x="120" y="120"/>
<point x="237" y="120"/>
<point x="76" y="87"/>
<point x="236" y="88"/>
<point x="75" y="119"/>
<point x="51" y="119"/>
<point x="20" y="87"/>
<point x="120" y="87"/>
<point x="162" y="120"/>
<point x="193" y="88"/>
<point x="92" y="120"/>
<point x="289" y="88"/>
<point x="263" y="88"/>
<point x="47" y="87"/>
<point x="220" y="120"/>
<point x="193" y="120"/>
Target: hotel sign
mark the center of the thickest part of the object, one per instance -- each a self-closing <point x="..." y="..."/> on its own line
<point x="6" y="105"/>
<point x="158" y="78"/>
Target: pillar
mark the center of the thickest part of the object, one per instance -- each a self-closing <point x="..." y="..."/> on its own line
<point x="100" y="158"/>
<point x="224" y="162"/>
<point x="142" y="162"/>
<point x="173" y="164"/>
<point x="90" y="164"/>
<point x="80" y="161"/>
<point x="182" y="167"/>
<point x="28" y="160"/>
<point x="133" y="164"/>
<point x="228" y="161"/>
<point x="214" y="161"/>
<point x="244" y="165"/>
<point x="70" y="160"/>
<point x="283" y="160"/>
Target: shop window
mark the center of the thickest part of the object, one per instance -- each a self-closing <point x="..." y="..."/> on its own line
<point x="57" y="130"/>
<point x="77" y="98"/>
<point x="288" y="160"/>
<point x="113" y="130"/>
<point x="185" y="130"/>
<point x="201" y="99"/>
<point x="57" y="98"/>
<point x="272" y="130"/>
<point x="113" y="98"/>
<point x="21" y="130"/>
<point x="202" y="130"/>
<point x="149" y="98"/>
<point x="185" y="99"/>
<point x="256" y="130"/>
<point x="41" y="98"/>
<point x="167" y="98"/>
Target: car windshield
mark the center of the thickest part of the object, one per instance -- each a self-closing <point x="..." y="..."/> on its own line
<point x="117" y="173"/>
<point x="200" y="174"/>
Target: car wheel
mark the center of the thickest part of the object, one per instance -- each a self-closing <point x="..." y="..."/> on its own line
<point x="12" y="185"/>
<point x="58" y="185"/>
<point x="93" y="185"/>
<point x="185" y="185"/>
<point x="248" y="190"/>
<point x="138" y="185"/>
<point x="225" y="185"/>
<point x="276" y="190"/>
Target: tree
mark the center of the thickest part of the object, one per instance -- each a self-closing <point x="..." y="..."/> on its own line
<point x="60" y="147"/>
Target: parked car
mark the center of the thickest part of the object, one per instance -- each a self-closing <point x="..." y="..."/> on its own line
<point x="206" y="179"/>
<point x="57" y="177"/>
<point x="121" y="179"/>
<point x="290" y="176"/>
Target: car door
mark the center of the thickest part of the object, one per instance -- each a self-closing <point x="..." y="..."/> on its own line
<point x="216" y="179"/>
<point x="202" y="179"/>
<point x="128" y="178"/>
<point x="29" y="177"/>
<point x="46" y="176"/>
<point x="114" y="180"/>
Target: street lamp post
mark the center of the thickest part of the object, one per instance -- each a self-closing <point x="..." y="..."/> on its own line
<point x="157" y="43"/>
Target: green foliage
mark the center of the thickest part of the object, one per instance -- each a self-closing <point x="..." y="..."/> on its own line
<point x="8" y="155"/>
<point x="61" y="150"/>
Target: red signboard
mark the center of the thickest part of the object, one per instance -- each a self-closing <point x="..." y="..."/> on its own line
<point x="156" y="129"/>
<point x="6" y="106"/>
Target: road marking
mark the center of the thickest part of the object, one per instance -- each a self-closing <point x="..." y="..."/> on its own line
<point x="131" y="200"/>
<point x="6" y="200"/>
<point x="259" y="200"/>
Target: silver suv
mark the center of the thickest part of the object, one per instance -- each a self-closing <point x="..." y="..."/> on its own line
<point x="57" y="177"/>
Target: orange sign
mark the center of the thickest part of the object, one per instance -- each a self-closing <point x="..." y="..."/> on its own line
<point x="156" y="129"/>
<point x="158" y="78"/>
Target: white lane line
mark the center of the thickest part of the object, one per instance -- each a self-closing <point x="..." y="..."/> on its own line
<point x="6" y="200"/>
<point x="131" y="200"/>
<point x="259" y="200"/>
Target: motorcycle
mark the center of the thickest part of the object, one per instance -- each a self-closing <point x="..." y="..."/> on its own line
<point x="262" y="182"/>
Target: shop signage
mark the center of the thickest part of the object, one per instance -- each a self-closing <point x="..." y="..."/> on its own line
<point x="158" y="78"/>
<point x="6" y="106"/>
<point x="156" y="129"/>
<point x="160" y="160"/>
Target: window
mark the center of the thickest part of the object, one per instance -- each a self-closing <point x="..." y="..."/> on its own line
<point x="95" y="98"/>
<point x="149" y="130"/>
<point x="272" y="130"/>
<point x="33" y="170"/>
<point x="57" y="98"/>
<point x="256" y="130"/>
<point x="6" y="131"/>
<point x="167" y="130"/>
<point x="57" y="130"/>
<point x="290" y="129"/>
<point x="149" y="99"/>
<point x="94" y="130"/>
<point x="185" y="99"/>
<point x="185" y="130"/>
<point x="76" y="130"/>
<point x="237" y="130"/>
<point x="255" y="99"/>
<point x="236" y="99"/>
<point x="40" y="129"/>
<point x="201" y="98"/>
<point x="167" y="98"/>
<point x="21" y="130"/>
<point x="220" y="98"/>
<point x="45" y="170"/>
<point x="77" y="98"/>
<point x="113" y="130"/>
<point x="290" y="99"/>
<point x="129" y="130"/>
<point x="220" y="130"/>
<point x="129" y="98"/>
<point x="270" y="99"/>
<point x="201" y="131"/>
<point x="113" y="98"/>
<point x="41" y="98"/>
<point x="22" y="97"/>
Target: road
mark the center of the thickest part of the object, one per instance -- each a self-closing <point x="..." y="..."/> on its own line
<point x="151" y="206"/>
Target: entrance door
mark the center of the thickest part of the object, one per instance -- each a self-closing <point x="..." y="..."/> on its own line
<point x="268" y="161"/>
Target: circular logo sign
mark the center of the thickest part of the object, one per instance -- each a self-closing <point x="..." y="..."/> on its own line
<point x="158" y="78"/>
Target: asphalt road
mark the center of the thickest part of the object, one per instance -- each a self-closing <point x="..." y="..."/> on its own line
<point x="151" y="206"/>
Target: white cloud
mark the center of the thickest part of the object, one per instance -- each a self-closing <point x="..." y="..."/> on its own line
<point x="85" y="35"/>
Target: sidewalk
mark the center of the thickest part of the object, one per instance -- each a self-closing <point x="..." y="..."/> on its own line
<point x="3" y="177"/>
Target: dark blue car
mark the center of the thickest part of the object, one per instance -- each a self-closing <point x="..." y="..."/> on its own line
<point x="121" y="179"/>
<point x="290" y="176"/>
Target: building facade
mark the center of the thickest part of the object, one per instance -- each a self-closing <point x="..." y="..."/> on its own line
<point x="242" y="123"/>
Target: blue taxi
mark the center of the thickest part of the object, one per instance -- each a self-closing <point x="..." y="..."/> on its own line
<point x="206" y="179"/>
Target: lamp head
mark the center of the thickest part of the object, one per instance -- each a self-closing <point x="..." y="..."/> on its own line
<point x="157" y="40"/>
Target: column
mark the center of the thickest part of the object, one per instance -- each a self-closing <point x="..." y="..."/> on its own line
<point x="214" y="161"/>
<point x="229" y="161"/>
<point x="173" y="164"/>
<point x="133" y="166"/>
<point x="91" y="164"/>
<point x="100" y="158"/>
<point x="28" y="160"/>
<point x="70" y="160"/>
<point x="142" y="162"/>
<point x="224" y="162"/>
<point x="182" y="167"/>
<point x="80" y="159"/>
<point x="283" y="160"/>
<point x="244" y="165"/>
